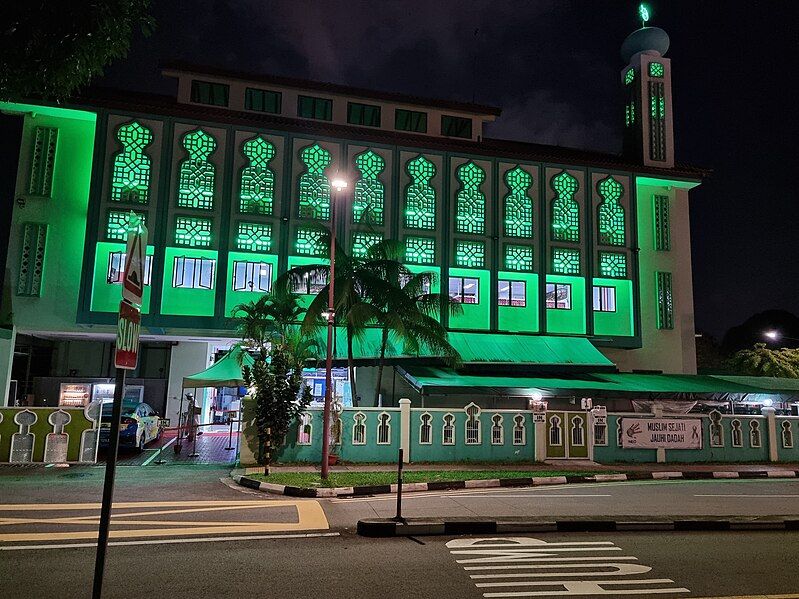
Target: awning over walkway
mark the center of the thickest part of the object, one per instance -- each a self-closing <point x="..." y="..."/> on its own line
<point x="226" y="372"/>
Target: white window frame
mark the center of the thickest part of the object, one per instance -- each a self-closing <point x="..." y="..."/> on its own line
<point x="359" y="424"/>
<point x="448" y="428"/>
<point x="716" y="424"/>
<point x="509" y="298"/>
<point x="460" y="295"/>
<point x="384" y="426"/>
<point x="197" y="280"/>
<point x="737" y="432"/>
<point x="425" y="422"/>
<point x="601" y="440"/>
<point x="555" y="287"/>
<point x="786" y="434"/>
<point x="619" y="432"/>
<point x="519" y="426"/>
<point x="577" y="426"/>
<point x="472" y="418"/>
<point x="252" y="274"/>
<point x="497" y="427"/>
<point x="559" y="427"/>
<point x="116" y="272"/>
<point x="306" y="421"/>
<point x="599" y="300"/>
<point x="755" y="436"/>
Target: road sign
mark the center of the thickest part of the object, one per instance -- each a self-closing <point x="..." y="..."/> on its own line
<point x="135" y="255"/>
<point x="128" y="325"/>
<point x="539" y="417"/>
<point x="600" y="415"/>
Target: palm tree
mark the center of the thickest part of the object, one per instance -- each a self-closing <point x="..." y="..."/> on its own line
<point x="267" y="319"/>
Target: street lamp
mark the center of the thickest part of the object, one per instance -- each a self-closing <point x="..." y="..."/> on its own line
<point x="775" y="335"/>
<point x="339" y="184"/>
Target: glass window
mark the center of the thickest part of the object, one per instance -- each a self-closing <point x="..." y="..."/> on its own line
<point x="559" y="296"/>
<point x="252" y="276"/>
<point x="116" y="268"/>
<point x="315" y="108"/>
<point x="205" y="92"/>
<point x="463" y="290"/>
<point x="363" y="114"/>
<point x="263" y="100"/>
<point x="410" y="120"/>
<point x="193" y="273"/>
<point x="512" y="293"/>
<point x="405" y="279"/>
<point x="455" y="126"/>
<point x="311" y="284"/>
<point x="604" y="299"/>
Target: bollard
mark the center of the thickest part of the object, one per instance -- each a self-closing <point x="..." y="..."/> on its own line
<point x="194" y="453"/>
<point x="398" y="517"/>
<point x="230" y="433"/>
<point x="160" y="460"/>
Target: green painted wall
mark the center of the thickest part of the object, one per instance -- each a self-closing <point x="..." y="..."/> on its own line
<point x="788" y="454"/>
<point x="568" y="321"/>
<point x="234" y="298"/>
<point x="187" y="302"/>
<point x="619" y="323"/>
<point x="517" y="319"/>
<point x="475" y="316"/>
<point x="106" y="296"/>
<point x="40" y="429"/>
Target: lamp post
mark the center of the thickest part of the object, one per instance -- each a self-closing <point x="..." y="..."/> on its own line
<point x="776" y="336"/>
<point x="339" y="184"/>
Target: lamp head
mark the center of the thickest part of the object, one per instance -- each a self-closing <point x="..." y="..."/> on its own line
<point x="339" y="183"/>
<point x="772" y="334"/>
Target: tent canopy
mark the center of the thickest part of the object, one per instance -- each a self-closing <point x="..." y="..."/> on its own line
<point x="226" y="372"/>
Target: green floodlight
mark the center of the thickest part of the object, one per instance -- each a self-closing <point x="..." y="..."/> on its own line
<point x="643" y="13"/>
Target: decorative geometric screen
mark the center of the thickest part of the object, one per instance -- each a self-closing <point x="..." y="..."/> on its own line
<point x="193" y="232"/>
<point x="612" y="265"/>
<point x="565" y="210"/>
<point x="257" y="187"/>
<point x="629" y="76"/>
<point x="470" y="254"/>
<point x="471" y="202"/>
<point x="610" y="214"/>
<point x="662" y="223"/>
<point x="361" y="242"/>
<point x="31" y="259"/>
<point x="369" y="190"/>
<point x="565" y="261"/>
<point x="314" y="186"/>
<point x="420" y="196"/>
<point x="655" y="69"/>
<point x="665" y="299"/>
<point x="254" y="237"/>
<point x="420" y="250"/>
<point x="119" y="225"/>
<point x="308" y="242"/>
<point x="519" y="257"/>
<point x="518" y="204"/>
<point x="40" y="183"/>
<point x="197" y="174"/>
<point x="629" y="114"/>
<point x="657" y="122"/>
<point x="130" y="178"/>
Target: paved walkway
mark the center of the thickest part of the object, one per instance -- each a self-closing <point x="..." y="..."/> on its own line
<point x="211" y="448"/>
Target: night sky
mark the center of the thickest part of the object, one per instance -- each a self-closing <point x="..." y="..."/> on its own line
<point x="553" y="66"/>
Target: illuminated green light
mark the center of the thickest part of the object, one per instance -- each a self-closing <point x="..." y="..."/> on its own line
<point x="369" y="197"/>
<point x="518" y="204"/>
<point x="307" y="242"/>
<point x="197" y="174"/>
<point x="643" y="13"/>
<point x="363" y="241"/>
<point x="565" y="210"/>
<point x="656" y="69"/>
<point x="519" y="258"/>
<point x="629" y="76"/>
<point x="119" y="224"/>
<point x="314" y="187"/>
<point x="420" y="250"/>
<point x="130" y="178"/>
<point x="610" y="213"/>
<point x="420" y="196"/>
<point x="470" y="210"/>
<point x="565" y="261"/>
<point x="613" y="265"/>
<point x="193" y="232"/>
<point x="470" y="254"/>
<point x="257" y="189"/>
<point x="254" y="237"/>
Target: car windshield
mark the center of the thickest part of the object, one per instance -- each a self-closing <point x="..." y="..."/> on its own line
<point x="127" y="409"/>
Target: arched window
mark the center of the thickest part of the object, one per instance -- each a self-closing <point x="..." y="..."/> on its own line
<point x="619" y="433"/>
<point x="130" y="179"/>
<point x="577" y="431"/>
<point x="470" y="210"/>
<point x="754" y="433"/>
<point x="565" y="209"/>
<point x="197" y="174"/>
<point x="518" y="204"/>
<point x="420" y="196"/>
<point x="519" y="430"/>
<point x="737" y="438"/>
<point x="305" y="429"/>
<point x="555" y="430"/>
<point x="716" y="430"/>
<point x="384" y="429"/>
<point x="472" y="424"/>
<point x="257" y="186"/>
<point x="426" y="429"/>
<point x="359" y="429"/>
<point x="600" y="434"/>
<point x="369" y="196"/>
<point x="610" y="213"/>
<point x="314" y="188"/>
<point x="497" y="430"/>
<point x="787" y="434"/>
<point x="448" y="430"/>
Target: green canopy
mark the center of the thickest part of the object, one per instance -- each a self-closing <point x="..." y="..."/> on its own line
<point x="226" y="372"/>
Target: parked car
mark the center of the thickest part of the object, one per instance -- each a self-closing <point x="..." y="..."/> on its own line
<point x="138" y="426"/>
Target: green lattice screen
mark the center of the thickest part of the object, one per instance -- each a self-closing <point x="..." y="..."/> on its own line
<point x="197" y="174"/>
<point x="612" y="265"/>
<point x="193" y="232"/>
<point x="629" y="76"/>
<point x="130" y="178"/>
<point x="655" y="69"/>
<point x="470" y="201"/>
<point x="565" y="261"/>
<point x="314" y="187"/>
<point x="257" y="187"/>
<point x="519" y="257"/>
<point x="118" y="224"/>
<point x="610" y="213"/>
<point x="420" y="250"/>
<point x="662" y="223"/>
<point x="369" y="197"/>
<point x="254" y="237"/>
<point x="470" y="254"/>
<point x="40" y="179"/>
<point x="518" y="204"/>
<point x="31" y="259"/>
<point x="629" y="114"/>
<point x="361" y="242"/>
<point x="308" y="242"/>
<point x="420" y="196"/>
<point x="565" y="209"/>
<point x="665" y="300"/>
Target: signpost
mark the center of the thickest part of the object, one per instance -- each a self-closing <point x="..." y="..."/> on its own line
<point x="126" y="358"/>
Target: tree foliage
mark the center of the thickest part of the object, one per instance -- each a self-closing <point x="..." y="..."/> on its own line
<point x="50" y="49"/>
<point x="762" y="361"/>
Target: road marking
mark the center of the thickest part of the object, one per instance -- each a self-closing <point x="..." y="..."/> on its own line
<point x="491" y="493"/>
<point x="158" y="451"/>
<point x="789" y="596"/>
<point x="309" y="535"/>
<point x="752" y="496"/>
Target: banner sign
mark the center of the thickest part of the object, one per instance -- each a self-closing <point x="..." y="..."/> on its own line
<point x="656" y="433"/>
<point x="127" y="345"/>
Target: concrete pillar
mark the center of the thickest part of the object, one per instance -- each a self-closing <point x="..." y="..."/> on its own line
<point x="540" y="440"/>
<point x="771" y="422"/>
<point x="657" y="411"/>
<point x="7" y="340"/>
<point x="187" y="357"/>
<point x="405" y="428"/>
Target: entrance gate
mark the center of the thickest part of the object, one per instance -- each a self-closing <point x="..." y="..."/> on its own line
<point x="567" y="435"/>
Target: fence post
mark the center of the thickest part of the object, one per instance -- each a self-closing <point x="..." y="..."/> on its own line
<point x="405" y="428"/>
<point x="771" y="421"/>
<point x="657" y="412"/>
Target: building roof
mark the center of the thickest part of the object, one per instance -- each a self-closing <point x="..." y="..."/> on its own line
<point x="330" y="88"/>
<point x="166" y="105"/>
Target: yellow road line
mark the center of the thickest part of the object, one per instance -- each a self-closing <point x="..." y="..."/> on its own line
<point x="30" y="507"/>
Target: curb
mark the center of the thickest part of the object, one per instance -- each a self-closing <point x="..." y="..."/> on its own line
<point x="534" y="481"/>
<point x="386" y="527"/>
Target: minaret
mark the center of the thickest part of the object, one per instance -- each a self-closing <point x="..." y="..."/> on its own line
<point x="648" y="122"/>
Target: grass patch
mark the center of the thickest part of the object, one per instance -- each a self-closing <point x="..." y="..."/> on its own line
<point x="387" y="477"/>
